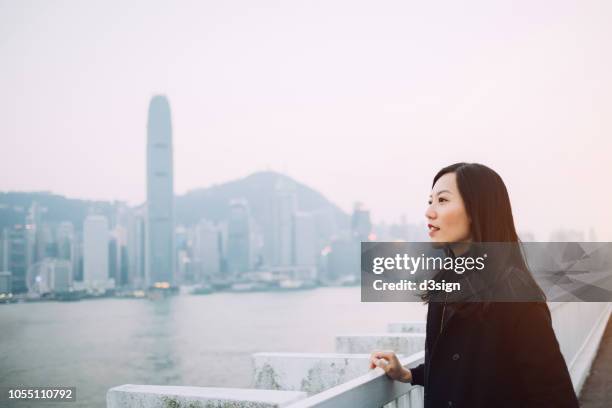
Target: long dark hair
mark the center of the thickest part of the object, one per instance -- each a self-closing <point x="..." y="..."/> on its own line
<point x="487" y="205"/>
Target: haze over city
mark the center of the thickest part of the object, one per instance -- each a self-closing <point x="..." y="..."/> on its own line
<point x="223" y="202"/>
<point x="360" y="102"/>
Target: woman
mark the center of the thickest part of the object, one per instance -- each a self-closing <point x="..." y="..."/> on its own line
<point x="483" y="354"/>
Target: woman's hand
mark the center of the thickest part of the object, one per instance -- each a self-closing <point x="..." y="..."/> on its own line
<point x="388" y="361"/>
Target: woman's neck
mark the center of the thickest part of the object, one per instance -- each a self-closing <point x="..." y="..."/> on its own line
<point x="460" y="248"/>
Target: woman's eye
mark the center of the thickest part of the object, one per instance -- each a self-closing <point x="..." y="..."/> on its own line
<point x="442" y="199"/>
<point x="429" y="202"/>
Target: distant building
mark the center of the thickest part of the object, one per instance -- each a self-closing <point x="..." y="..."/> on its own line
<point x="567" y="235"/>
<point x="96" y="252"/>
<point x="326" y="227"/>
<point x="239" y="238"/>
<point x="77" y="271"/>
<point x="361" y="225"/>
<point x="184" y="267"/>
<point x="16" y="256"/>
<point x="133" y="221"/>
<point x="304" y="239"/>
<point x="207" y="248"/>
<point x="343" y="260"/>
<point x="65" y="240"/>
<point x="402" y="231"/>
<point x="50" y="276"/>
<point x="1" y="250"/>
<point x="5" y="283"/>
<point x="118" y="257"/>
<point x="284" y="205"/>
<point x="62" y="276"/>
<point x="159" y="230"/>
<point x="37" y="238"/>
<point x="113" y="259"/>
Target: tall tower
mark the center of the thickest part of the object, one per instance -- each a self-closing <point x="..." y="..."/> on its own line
<point x="159" y="231"/>
<point x="239" y="237"/>
<point x="284" y="205"/>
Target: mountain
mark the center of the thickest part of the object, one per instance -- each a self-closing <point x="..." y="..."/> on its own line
<point x="258" y="189"/>
<point x="210" y="203"/>
<point x="14" y="208"/>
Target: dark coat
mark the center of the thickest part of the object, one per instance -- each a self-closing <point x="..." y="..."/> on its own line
<point x="507" y="357"/>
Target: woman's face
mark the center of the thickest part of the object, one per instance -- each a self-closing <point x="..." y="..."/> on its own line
<point x="446" y="216"/>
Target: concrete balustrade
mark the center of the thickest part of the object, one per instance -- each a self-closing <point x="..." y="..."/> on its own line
<point x="373" y="389"/>
<point x="400" y="343"/>
<point x="579" y="327"/>
<point x="161" y="396"/>
<point x="309" y="372"/>
<point x="406" y="327"/>
<point x="343" y="379"/>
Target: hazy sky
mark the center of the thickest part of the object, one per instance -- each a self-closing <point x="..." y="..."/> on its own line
<point x="359" y="100"/>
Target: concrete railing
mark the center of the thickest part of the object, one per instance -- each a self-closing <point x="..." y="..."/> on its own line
<point x="308" y="372"/>
<point x="373" y="389"/>
<point x="343" y="379"/>
<point x="579" y="327"/>
<point x="165" y="396"/>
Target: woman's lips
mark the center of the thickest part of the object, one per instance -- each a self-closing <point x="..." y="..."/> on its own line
<point x="432" y="229"/>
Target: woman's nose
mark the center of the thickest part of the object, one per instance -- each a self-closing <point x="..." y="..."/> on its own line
<point x="430" y="214"/>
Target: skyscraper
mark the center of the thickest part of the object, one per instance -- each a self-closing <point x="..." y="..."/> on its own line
<point x="239" y="237"/>
<point x="95" y="252"/>
<point x="159" y="231"/>
<point x="16" y="257"/>
<point x="67" y="245"/>
<point x="36" y="237"/>
<point x="134" y="220"/>
<point x="65" y="240"/>
<point x="284" y="205"/>
<point x="207" y="249"/>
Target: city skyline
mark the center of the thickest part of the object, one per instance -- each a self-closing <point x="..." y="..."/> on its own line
<point x="366" y="107"/>
<point x="538" y="234"/>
